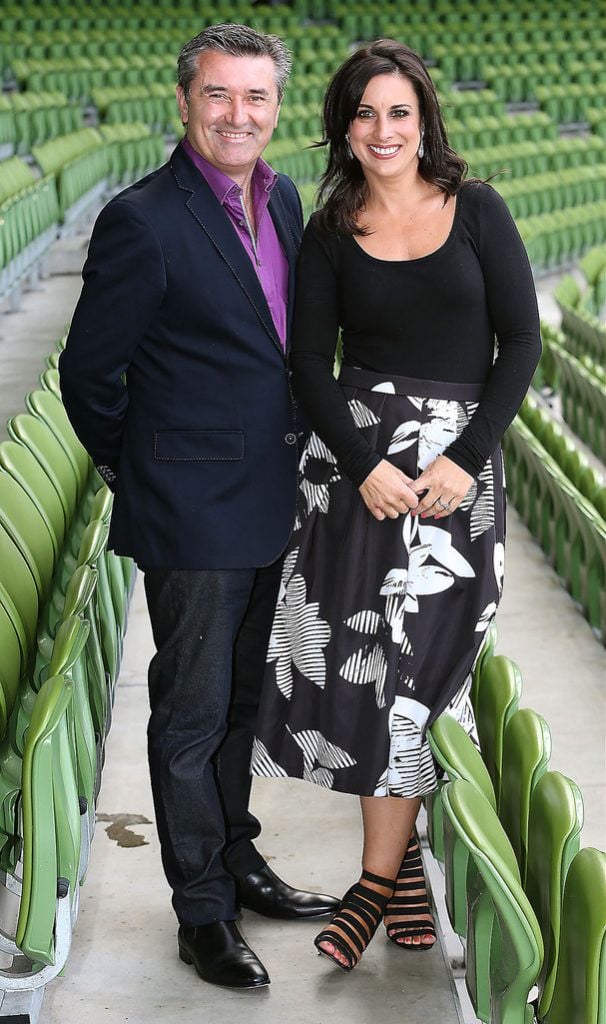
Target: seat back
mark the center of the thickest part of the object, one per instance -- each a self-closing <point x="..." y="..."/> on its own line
<point x="51" y="455"/>
<point x="554" y="829"/>
<point x="20" y="585"/>
<point x="25" y="524"/>
<point x="498" y="697"/>
<point x="458" y="756"/>
<point x="50" y="409"/>
<point x="23" y="466"/>
<point x="516" y="946"/>
<point x="484" y="654"/>
<point x="526" y="753"/>
<point x="579" y="994"/>
<point x="12" y="666"/>
<point x="41" y="829"/>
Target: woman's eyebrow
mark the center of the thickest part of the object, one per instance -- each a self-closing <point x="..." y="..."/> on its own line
<point x="394" y="106"/>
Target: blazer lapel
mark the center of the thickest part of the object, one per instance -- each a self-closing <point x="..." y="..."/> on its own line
<point x="214" y="221"/>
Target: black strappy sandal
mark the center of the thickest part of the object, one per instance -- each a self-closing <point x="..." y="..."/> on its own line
<point x="409" y="909"/>
<point x="358" y="917"/>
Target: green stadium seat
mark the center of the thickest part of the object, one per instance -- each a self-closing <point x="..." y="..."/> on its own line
<point x="526" y="753"/>
<point x="554" y="828"/>
<point x="579" y="995"/>
<point x="498" y="696"/>
<point x="504" y="947"/>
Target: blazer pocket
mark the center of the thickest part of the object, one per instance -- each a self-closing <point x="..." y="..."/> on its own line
<point x="199" y="445"/>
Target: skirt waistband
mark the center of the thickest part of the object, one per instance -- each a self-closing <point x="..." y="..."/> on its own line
<point x="368" y="380"/>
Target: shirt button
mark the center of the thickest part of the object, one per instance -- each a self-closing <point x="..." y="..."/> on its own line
<point x="291" y="439"/>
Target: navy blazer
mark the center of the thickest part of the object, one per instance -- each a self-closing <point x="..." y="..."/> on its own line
<point x="174" y="377"/>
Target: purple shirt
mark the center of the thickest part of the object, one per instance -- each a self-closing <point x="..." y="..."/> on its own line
<point x="265" y="251"/>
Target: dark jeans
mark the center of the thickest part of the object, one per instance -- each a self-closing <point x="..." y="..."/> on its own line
<point x="211" y="630"/>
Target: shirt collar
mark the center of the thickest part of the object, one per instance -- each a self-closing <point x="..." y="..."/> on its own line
<point x="263" y="178"/>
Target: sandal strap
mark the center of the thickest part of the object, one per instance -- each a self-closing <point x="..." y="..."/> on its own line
<point x="408" y="904"/>
<point x="388" y="883"/>
<point x="358" y="917"/>
<point x="410" y="932"/>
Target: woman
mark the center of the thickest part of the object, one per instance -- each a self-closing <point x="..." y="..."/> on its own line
<point x="395" y="567"/>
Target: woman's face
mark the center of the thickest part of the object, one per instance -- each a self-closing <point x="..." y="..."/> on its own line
<point x="386" y="131"/>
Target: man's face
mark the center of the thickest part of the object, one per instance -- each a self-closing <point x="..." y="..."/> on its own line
<point x="232" y="110"/>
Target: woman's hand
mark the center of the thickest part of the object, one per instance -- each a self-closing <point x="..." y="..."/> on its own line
<point x="446" y="485"/>
<point x="387" y="492"/>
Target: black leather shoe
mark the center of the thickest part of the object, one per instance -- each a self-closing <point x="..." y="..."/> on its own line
<point x="221" y="955"/>
<point x="265" y="893"/>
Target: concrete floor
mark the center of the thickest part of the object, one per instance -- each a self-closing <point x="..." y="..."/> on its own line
<point x="123" y="965"/>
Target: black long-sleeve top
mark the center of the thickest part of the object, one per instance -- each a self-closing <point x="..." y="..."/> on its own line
<point x="435" y="317"/>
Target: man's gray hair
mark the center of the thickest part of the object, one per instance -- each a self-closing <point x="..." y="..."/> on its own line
<point x="239" y="41"/>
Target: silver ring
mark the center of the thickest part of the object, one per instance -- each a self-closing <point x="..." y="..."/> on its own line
<point x="443" y="505"/>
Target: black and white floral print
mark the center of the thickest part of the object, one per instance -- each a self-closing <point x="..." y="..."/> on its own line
<point x="378" y="624"/>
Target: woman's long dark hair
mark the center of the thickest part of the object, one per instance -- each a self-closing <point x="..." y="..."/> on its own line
<point x="343" y="188"/>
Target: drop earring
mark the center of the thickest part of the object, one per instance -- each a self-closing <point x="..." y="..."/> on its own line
<point x="348" y="148"/>
<point x="421" y="149"/>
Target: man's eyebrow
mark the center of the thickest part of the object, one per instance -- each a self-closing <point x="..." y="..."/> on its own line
<point x="223" y="88"/>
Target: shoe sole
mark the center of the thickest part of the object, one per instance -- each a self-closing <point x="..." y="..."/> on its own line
<point x="290" y="917"/>
<point x="187" y="959"/>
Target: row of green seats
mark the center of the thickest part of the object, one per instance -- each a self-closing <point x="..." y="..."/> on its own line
<point x="298" y="158"/>
<point x="109" y="155"/>
<point x="133" y="151"/>
<point x="474" y="61"/>
<point x="583" y="397"/>
<point x="155" y="105"/>
<point x="507" y="830"/>
<point x="553" y="239"/>
<point x="596" y="121"/>
<point x="157" y="16"/>
<point x="53" y="155"/>
<point x="36" y="117"/>
<point x="85" y="39"/>
<point x="584" y="331"/>
<point x="14" y="176"/>
<point x="561" y="447"/>
<point x="570" y="530"/>
<point x="528" y="158"/>
<point x="593" y="266"/>
<point x="518" y="82"/>
<point x="569" y="102"/>
<point x="479" y="132"/>
<point x="82" y="75"/>
<point x="554" y="190"/>
<point x="28" y="227"/>
<point x="463" y="104"/>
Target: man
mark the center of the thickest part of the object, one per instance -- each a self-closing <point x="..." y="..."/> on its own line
<point x="175" y="378"/>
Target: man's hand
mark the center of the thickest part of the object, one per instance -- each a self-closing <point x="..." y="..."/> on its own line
<point x="446" y="485"/>
<point x="386" y="492"/>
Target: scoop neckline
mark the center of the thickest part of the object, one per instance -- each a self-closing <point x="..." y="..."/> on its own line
<point x="427" y="256"/>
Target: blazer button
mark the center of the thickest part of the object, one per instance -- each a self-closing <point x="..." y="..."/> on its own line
<point x="291" y="439"/>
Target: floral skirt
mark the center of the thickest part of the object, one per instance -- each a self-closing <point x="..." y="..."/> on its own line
<point x="379" y="623"/>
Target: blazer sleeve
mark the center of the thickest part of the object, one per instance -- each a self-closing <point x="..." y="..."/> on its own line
<point x="124" y="283"/>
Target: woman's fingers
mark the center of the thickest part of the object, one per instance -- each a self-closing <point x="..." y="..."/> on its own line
<point x="445" y="485"/>
<point x="387" y="490"/>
